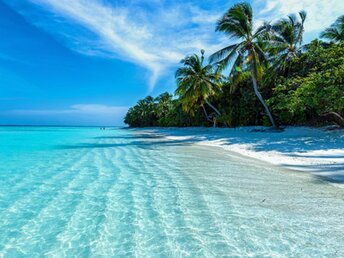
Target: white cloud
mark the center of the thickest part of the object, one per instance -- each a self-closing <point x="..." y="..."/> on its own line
<point x="159" y="36"/>
<point x="154" y="40"/>
<point x="202" y="16"/>
<point x="77" y="109"/>
<point x="320" y="13"/>
<point x="78" y="114"/>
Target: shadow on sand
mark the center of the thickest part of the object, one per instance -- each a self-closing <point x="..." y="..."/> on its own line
<point x="290" y="144"/>
<point x="138" y="144"/>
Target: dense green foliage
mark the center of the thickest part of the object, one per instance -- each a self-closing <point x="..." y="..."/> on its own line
<point x="247" y="54"/>
<point x="270" y="70"/>
<point x="336" y="32"/>
<point x="315" y="86"/>
<point x="162" y="111"/>
<point x="196" y="83"/>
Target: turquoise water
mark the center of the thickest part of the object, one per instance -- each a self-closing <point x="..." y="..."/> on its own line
<point x="83" y="192"/>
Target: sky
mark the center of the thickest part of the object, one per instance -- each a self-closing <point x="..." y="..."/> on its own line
<point x="85" y="62"/>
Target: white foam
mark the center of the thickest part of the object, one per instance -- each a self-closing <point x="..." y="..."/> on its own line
<point x="314" y="150"/>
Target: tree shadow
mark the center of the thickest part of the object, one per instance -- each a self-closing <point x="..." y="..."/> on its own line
<point x="334" y="172"/>
<point x="136" y="136"/>
<point x="335" y="179"/>
<point x="138" y="144"/>
<point x="293" y="142"/>
<point x="284" y="142"/>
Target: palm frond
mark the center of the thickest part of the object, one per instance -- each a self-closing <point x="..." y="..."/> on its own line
<point x="219" y="55"/>
<point x="335" y="33"/>
<point x="237" y="21"/>
<point x="195" y="82"/>
<point x="264" y="30"/>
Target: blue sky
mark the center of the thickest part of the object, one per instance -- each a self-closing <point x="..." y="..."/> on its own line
<point x="84" y="62"/>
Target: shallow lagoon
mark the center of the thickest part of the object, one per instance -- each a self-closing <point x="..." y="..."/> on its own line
<point x="86" y="192"/>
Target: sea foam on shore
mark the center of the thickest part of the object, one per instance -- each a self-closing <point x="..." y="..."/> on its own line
<point x="314" y="150"/>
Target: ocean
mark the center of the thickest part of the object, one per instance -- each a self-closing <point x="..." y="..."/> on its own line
<point x="86" y="192"/>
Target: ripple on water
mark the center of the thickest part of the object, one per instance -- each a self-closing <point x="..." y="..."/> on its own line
<point x="125" y="194"/>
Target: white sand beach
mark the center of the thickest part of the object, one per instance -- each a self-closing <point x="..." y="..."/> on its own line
<point x="318" y="151"/>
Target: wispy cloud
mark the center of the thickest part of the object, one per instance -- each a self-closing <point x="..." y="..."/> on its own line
<point x="156" y="34"/>
<point x="155" y="39"/>
<point x="320" y="13"/>
<point x="9" y="58"/>
<point x="77" y="109"/>
<point x="78" y="114"/>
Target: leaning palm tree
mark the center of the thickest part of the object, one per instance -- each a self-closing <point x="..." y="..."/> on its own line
<point x="196" y="83"/>
<point x="237" y="23"/>
<point x="286" y="41"/>
<point x="335" y="33"/>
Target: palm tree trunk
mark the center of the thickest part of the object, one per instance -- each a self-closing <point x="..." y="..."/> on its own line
<point x="259" y="96"/>
<point x="206" y="114"/>
<point x="214" y="121"/>
<point x="335" y="117"/>
<point x="215" y="109"/>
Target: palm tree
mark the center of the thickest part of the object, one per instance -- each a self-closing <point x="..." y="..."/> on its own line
<point x="163" y="104"/>
<point x="286" y="41"/>
<point x="145" y="109"/>
<point x="335" y="33"/>
<point x="237" y="23"/>
<point x="197" y="82"/>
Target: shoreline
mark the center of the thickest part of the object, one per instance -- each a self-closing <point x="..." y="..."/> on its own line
<point x="312" y="150"/>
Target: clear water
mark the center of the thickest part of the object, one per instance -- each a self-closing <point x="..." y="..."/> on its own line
<point x="83" y="192"/>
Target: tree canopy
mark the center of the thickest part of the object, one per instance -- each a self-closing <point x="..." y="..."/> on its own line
<point x="273" y="78"/>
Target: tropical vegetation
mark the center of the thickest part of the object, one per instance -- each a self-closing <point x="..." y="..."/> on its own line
<point x="268" y="76"/>
<point x="336" y="32"/>
<point x="196" y="83"/>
